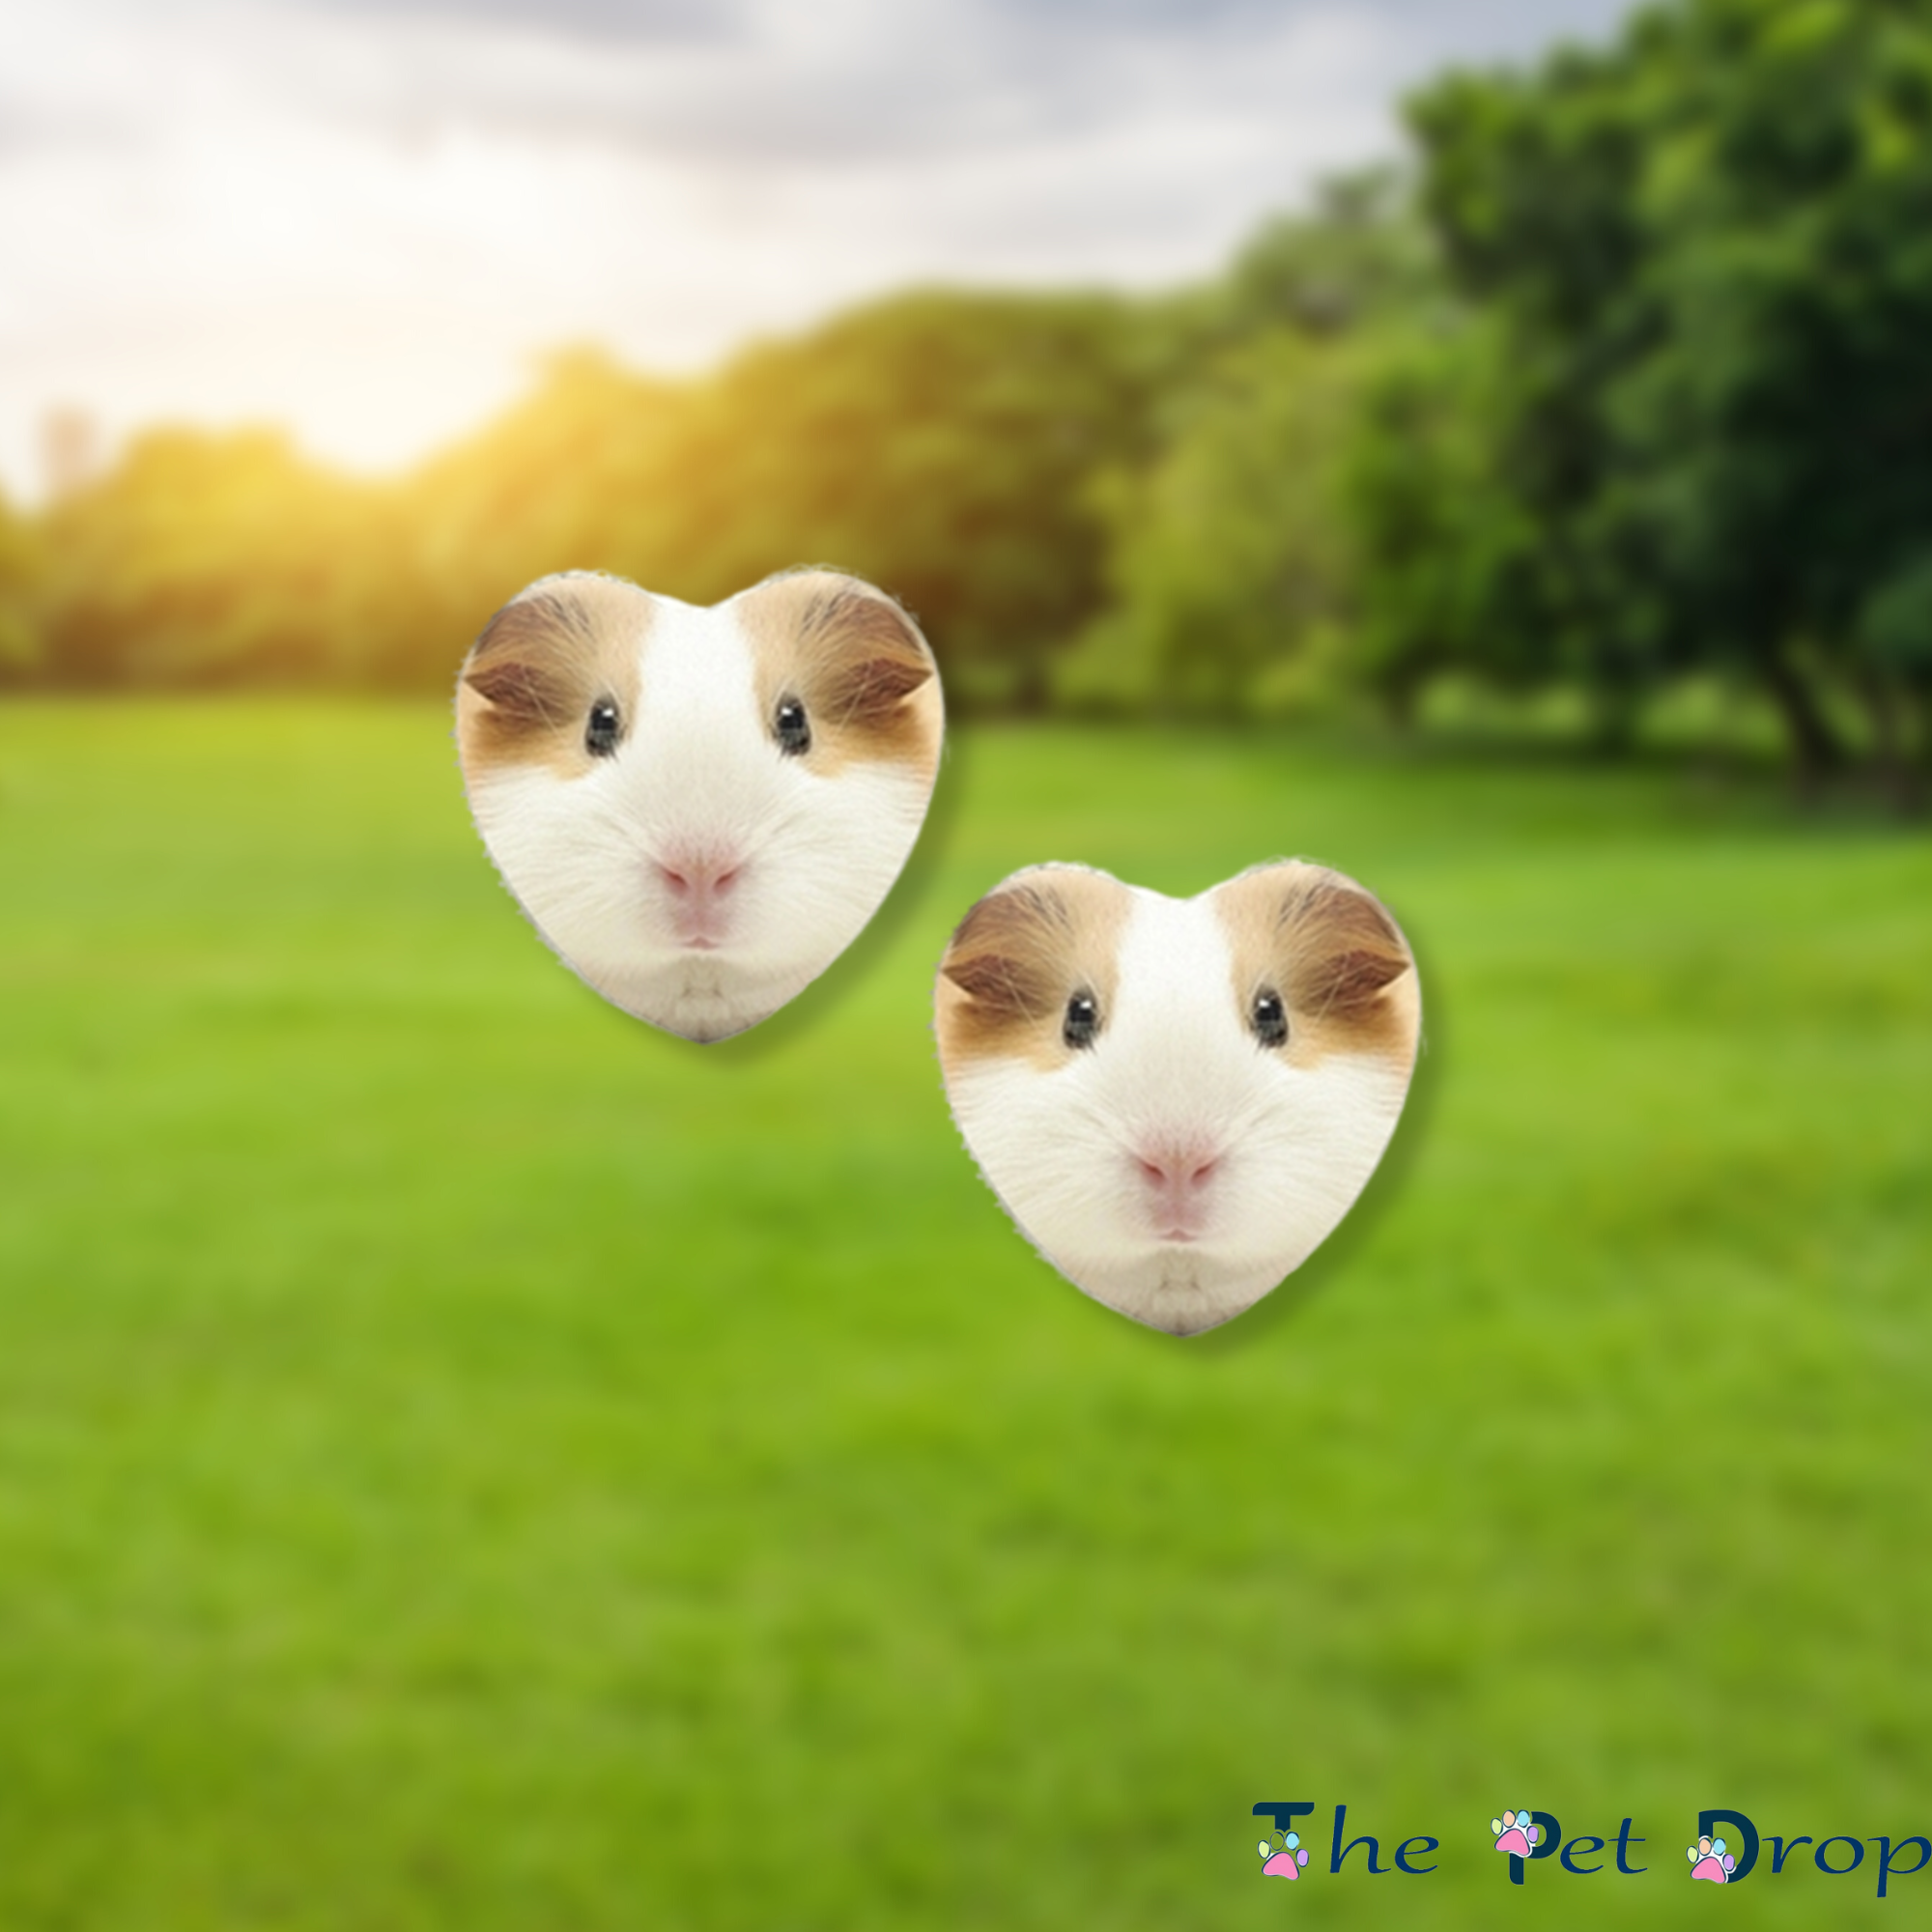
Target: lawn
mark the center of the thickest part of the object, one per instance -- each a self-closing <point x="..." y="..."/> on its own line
<point x="468" y="1462"/>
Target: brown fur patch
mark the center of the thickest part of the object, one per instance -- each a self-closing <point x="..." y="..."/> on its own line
<point x="542" y="661"/>
<point x="1330" y="949"/>
<point x="1017" y="958"/>
<point x="857" y="662"/>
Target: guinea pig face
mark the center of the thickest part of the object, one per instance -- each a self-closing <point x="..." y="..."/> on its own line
<point x="700" y="808"/>
<point x="1178" y="1100"/>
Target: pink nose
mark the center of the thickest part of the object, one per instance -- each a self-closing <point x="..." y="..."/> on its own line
<point x="1177" y="1172"/>
<point x="699" y="882"/>
<point x="1175" y="1184"/>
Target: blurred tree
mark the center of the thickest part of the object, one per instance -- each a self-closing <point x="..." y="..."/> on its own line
<point x="583" y="475"/>
<point x="71" y="450"/>
<point x="1231" y="559"/>
<point x="1357" y="256"/>
<point x="1442" y="551"/>
<point x="938" y="443"/>
<point x="22" y="567"/>
<point x="209" y="560"/>
<point x="1708" y="254"/>
<point x="1230" y="566"/>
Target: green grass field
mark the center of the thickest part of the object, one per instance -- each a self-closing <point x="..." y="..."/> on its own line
<point x="467" y="1462"/>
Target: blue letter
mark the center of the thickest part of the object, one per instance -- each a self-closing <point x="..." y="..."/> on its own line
<point x="1708" y="1821"/>
<point x="1337" y="1851"/>
<point x="1858" y="1857"/>
<point x="1624" y="1842"/>
<point x="1432" y="1844"/>
<point x="1550" y="1835"/>
<point x="1585" y="1845"/>
<point x="1284" y="1816"/>
<point x="1885" y="1860"/>
<point x="1781" y="1850"/>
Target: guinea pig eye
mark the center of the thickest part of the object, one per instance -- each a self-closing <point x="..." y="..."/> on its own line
<point x="791" y="727"/>
<point x="1083" y="1020"/>
<point x="600" y="735"/>
<point x="1269" y="1018"/>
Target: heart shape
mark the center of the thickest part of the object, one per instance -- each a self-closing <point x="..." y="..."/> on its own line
<point x="1178" y="1100"/>
<point x="700" y="808"/>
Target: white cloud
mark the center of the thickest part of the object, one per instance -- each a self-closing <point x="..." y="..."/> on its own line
<point x="364" y="221"/>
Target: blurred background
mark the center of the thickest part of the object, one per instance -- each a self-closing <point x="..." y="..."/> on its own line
<point x="465" y="1459"/>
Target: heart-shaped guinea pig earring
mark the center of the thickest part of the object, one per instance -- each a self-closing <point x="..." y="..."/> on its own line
<point x="700" y="808"/>
<point x="1178" y="1100"/>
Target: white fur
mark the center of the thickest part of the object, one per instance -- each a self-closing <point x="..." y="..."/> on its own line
<point x="1174" y="1063"/>
<point x="699" y="770"/>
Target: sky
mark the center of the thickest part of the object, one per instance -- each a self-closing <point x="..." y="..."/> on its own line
<point x="367" y="220"/>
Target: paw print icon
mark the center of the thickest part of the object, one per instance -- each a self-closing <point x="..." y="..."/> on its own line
<point x="1282" y="1855"/>
<point x="1710" y="1859"/>
<point x="1515" y="1833"/>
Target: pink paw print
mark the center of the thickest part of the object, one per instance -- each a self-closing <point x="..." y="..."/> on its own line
<point x="1710" y="1859"/>
<point x="1282" y="1856"/>
<point x="1515" y="1833"/>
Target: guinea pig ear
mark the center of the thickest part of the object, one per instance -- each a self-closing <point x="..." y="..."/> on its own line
<point x="868" y="680"/>
<point x="1019" y="955"/>
<point x="1329" y="950"/>
<point x="1006" y="955"/>
<point x="872" y="654"/>
<point x="541" y="662"/>
<point x="1341" y="947"/>
<point x="531" y="661"/>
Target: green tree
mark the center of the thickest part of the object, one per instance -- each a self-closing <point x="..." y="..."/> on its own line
<point x="1708" y="254"/>
<point x="22" y="565"/>
<point x="1230" y="567"/>
<point x="1357" y="258"/>
<point x="1232" y="559"/>
<point x="1446" y="559"/>
<point x="210" y="560"/>
<point x="587" y="472"/>
<point x="941" y="443"/>
<point x="938" y="443"/>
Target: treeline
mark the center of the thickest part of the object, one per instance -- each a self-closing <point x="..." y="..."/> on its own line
<point x="942" y="444"/>
<point x="1630" y="382"/>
